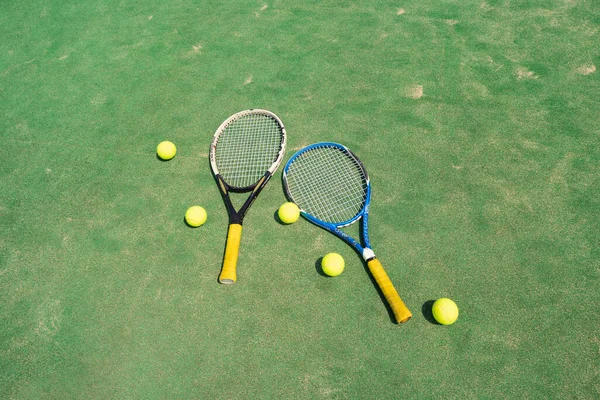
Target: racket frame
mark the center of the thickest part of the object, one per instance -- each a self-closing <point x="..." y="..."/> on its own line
<point x="399" y="309"/>
<point x="229" y="269"/>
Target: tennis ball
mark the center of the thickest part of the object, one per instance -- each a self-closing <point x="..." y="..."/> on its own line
<point x="195" y="216"/>
<point x="166" y="150"/>
<point x="445" y="311"/>
<point x="333" y="264"/>
<point x="288" y="213"/>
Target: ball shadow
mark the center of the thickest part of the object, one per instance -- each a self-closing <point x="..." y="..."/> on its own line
<point x="160" y="159"/>
<point x="279" y="221"/>
<point x="188" y="225"/>
<point x="276" y="218"/>
<point x="427" y="310"/>
<point x="319" y="269"/>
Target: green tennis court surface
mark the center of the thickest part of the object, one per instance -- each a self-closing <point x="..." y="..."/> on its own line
<point x="478" y="122"/>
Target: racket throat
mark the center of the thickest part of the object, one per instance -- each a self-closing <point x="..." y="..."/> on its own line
<point x="368" y="254"/>
<point x="235" y="219"/>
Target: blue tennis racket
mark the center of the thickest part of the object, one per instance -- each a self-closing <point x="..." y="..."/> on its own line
<point x="331" y="187"/>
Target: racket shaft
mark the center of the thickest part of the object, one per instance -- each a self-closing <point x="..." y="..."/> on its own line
<point x="232" y="249"/>
<point x="401" y="312"/>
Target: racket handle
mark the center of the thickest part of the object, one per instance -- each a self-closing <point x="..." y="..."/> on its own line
<point x="232" y="248"/>
<point x="401" y="312"/>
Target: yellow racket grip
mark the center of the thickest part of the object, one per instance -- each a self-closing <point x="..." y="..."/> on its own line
<point x="232" y="248"/>
<point x="401" y="312"/>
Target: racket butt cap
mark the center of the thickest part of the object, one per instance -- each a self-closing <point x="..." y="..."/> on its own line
<point x="404" y="319"/>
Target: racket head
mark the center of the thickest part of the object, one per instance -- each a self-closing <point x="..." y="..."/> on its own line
<point x="246" y="146"/>
<point x="329" y="184"/>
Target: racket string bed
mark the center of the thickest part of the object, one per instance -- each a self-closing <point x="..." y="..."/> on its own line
<point x="245" y="154"/>
<point x="334" y="203"/>
<point x="328" y="184"/>
<point x="247" y="148"/>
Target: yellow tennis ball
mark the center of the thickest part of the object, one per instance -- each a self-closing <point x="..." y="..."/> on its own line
<point x="333" y="264"/>
<point x="288" y="213"/>
<point x="195" y="216"/>
<point x="166" y="150"/>
<point x="445" y="311"/>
